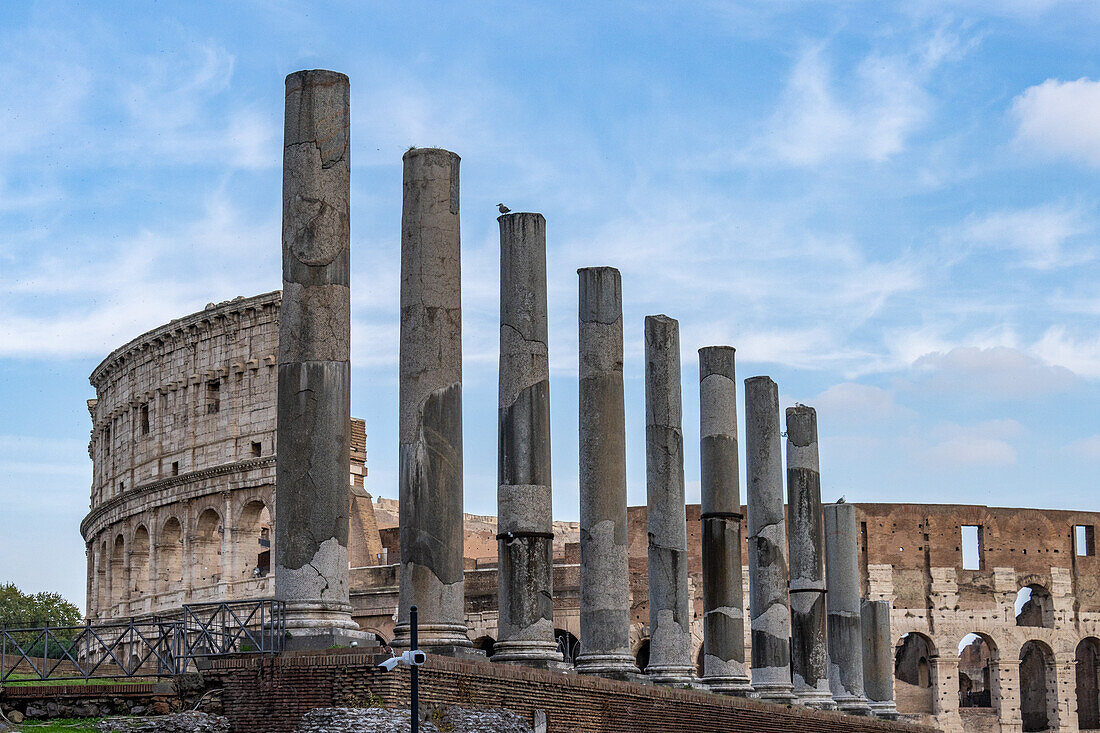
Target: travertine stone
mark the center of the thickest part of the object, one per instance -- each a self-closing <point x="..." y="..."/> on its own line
<point x="842" y="601"/>
<point x="878" y="658"/>
<point x="723" y="597"/>
<point x="809" y="651"/>
<point x="604" y="581"/>
<point x="430" y="419"/>
<point x="314" y="439"/>
<point x="767" y="544"/>
<point x="525" y="530"/>
<point x="669" y="615"/>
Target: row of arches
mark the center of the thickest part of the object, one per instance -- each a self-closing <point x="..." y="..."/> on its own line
<point x="142" y="564"/>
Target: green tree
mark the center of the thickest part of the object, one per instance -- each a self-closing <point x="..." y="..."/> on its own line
<point x="19" y="610"/>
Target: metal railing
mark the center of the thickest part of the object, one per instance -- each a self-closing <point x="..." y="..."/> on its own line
<point x="160" y="646"/>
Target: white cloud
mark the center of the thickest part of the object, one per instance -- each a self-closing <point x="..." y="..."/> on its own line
<point x="1039" y="234"/>
<point x="997" y="372"/>
<point x="1086" y="448"/>
<point x="1060" y="119"/>
<point x="1079" y="355"/>
<point x="850" y="402"/>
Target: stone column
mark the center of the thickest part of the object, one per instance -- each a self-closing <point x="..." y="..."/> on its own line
<point x="809" y="650"/>
<point x="430" y="417"/>
<point x="605" y="581"/>
<point x="878" y="658"/>
<point x="669" y="615"/>
<point x="842" y="601"/>
<point x="723" y="598"/>
<point x="770" y="614"/>
<point x="314" y="409"/>
<point x="525" y="526"/>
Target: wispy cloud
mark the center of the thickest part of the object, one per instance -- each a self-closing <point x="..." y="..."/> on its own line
<point x="1060" y="119"/>
<point x="1044" y="237"/>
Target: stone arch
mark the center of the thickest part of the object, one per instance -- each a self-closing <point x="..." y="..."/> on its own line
<point x="1038" y="687"/>
<point x="914" y="673"/>
<point x="253" y="537"/>
<point x="485" y="644"/>
<point x="641" y="654"/>
<point x="102" y="598"/>
<point x="979" y="686"/>
<point x="139" y="563"/>
<point x="170" y="556"/>
<point x="1088" y="683"/>
<point x="117" y="574"/>
<point x="568" y="644"/>
<point x="1034" y="606"/>
<point x="206" y="549"/>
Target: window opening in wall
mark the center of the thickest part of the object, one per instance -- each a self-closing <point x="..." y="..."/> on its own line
<point x="175" y="468"/>
<point x="107" y="441"/>
<point x="257" y="448"/>
<point x="213" y="397"/>
<point x="1084" y="540"/>
<point x="975" y="673"/>
<point x="145" y="419"/>
<point x="972" y="547"/>
<point x="1034" y="607"/>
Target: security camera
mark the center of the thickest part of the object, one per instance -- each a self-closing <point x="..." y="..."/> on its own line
<point x="414" y="658"/>
<point x="391" y="663"/>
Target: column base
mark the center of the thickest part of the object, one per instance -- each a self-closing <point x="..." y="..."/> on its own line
<point x="885" y="710"/>
<point x="672" y="675"/>
<point x="815" y="699"/>
<point x="852" y="705"/>
<point x="450" y="640"/>
<point x="732" y="686"/>
<point x="612" y="666"/>
<point x="539" y="654"/>
<point x="774" y="692"/>
<point x="318" y="625"/>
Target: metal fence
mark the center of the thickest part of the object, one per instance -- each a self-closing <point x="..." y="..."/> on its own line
<point x="158" y="646"/>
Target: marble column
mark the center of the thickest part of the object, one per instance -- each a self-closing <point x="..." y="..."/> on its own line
<point x="809" y="650"/>
<point x="669" y="614"/>
<point x="878" y="658"/>
<point x="604" y="576"/>
<point x="314" y="357"/>
<point x="723" y="599"/>
<point x="430" y="409"/>
<point x="842" y="602"/>
<point x="525" y="526"/>
<point x="767" y="544"/>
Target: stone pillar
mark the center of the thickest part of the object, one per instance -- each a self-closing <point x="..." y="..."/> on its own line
<point x="842" y="601"/>
<point x="314" y="409"/>
<point x="430" y="417"/>
<point x="669" y="614"/>
<point x="878" y="658"/>
<point x="809" y="649"/>
<point x="723" y="598"/>
<point x="605" y="581"/>
<point x="525" y="526"/>
<point x="771" y="619"/>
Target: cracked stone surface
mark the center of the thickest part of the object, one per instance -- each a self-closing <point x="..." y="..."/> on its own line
<point x="313" y="420"/>
<point x="604" y="581"/>
<point x="878" y="657"/>
<point x="809" y="653"/>
<point x="525" y="525"/>
<point x="430" y="401"/>
<point x="433" y="720"/>
<point x="843" y="604"/>
<point x="767" y="543"/>
<point x="723" y="597"/>
<point x="669" y="614"/>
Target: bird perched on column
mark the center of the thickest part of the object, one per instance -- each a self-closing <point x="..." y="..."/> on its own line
<point x="503" y="209"/>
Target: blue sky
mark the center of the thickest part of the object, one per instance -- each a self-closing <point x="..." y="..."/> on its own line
<point x="889" y="208"/>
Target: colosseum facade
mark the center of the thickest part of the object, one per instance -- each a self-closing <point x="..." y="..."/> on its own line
<point x="996" y="610"/>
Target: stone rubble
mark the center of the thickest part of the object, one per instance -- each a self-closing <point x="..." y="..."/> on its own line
<point x="437" y="720"/>
<point x="191" y="722"/>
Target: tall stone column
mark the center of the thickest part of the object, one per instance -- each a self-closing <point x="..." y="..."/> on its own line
<point x="525" y="526"/>
<point x="314" y="410"/>
<point x="723" y="596"/>
<point x="605" y="582"/>
<point x="878" y="658"/>
<point x="809" y="650"/>
<point x="430" y="417"/>
<point x="669" y="614"/>
<point x="770" y="614"/>
<point x="842" y="601"/>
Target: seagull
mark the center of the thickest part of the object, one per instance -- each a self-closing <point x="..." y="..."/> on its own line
<point x="840" y="500"/>
<point x="503" y="209"/>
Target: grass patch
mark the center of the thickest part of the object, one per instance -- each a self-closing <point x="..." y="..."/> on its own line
<point x="60" y="725"/>
<point x="18" y="679"/>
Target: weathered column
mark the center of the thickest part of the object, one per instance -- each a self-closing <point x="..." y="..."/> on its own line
<point x="723" y="598"/>
<point x="669" y="614"/>
<point x="878" y="658"/>
<point x="430" y="417"/>
<point x="525" y="526"/>
<point x="767" y="545"/>
<point x="809" y="650"/>
<point x="605" y="582"/>
<point x="842" y="601"/>
<point x="314" y="411"/>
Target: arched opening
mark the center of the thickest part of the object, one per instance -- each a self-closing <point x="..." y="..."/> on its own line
<point x="641" y="657"/>
<point x="102" y="597"/>
<point x="485" y="644"/>
<point x="568" y="645"/>
<point x="1038" y="691"/>
<point x="1088" y="684"/>
<point x="976" y="657"/>
<point x="170" y="557"/>
<point x="913" y="689"/>
<point x="700" y="663"/>
<point x="1034" y="607"/>
<point x="118" y="572"/>
<point x="254" y="541"/>
<point x="206" y="550"/>
<point x="139" y="563"/>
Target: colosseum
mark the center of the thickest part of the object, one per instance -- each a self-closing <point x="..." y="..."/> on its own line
<point x="995" y="611"/>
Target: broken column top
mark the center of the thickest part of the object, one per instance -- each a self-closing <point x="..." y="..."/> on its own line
<point x="321" y="98"/>
<point x="601" y="294"/>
